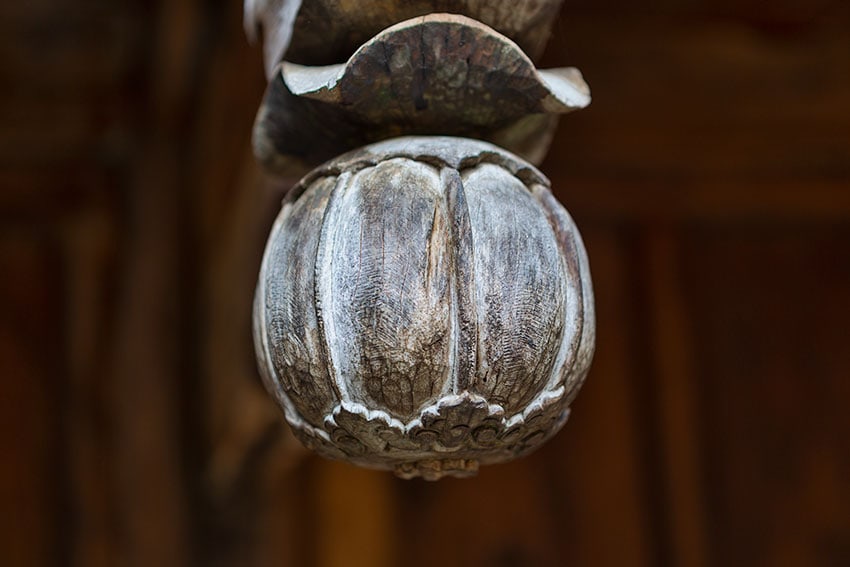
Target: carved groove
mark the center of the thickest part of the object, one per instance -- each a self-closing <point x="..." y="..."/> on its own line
<point x="463" y="281"/>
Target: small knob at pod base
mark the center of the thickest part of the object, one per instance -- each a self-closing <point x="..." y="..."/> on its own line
<point x="424" y="305"/>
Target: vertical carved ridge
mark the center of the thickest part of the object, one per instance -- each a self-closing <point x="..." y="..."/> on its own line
<point x="272" y="380"/>
<point x="465" y="320"/>
<point x="323" y="292"/>
<point x="574" y="314"/>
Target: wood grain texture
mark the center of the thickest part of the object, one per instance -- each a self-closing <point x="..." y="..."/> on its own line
<point x="425" y="319"/>
<point x="520" y="295"/>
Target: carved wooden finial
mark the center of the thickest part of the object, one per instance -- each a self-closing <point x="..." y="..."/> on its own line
<point x="424" y="303"/>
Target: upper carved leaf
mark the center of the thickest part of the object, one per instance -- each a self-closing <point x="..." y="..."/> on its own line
<point x="321" y="32"/>
<point x="437" y="74"/>
<point x="440" y="67"/>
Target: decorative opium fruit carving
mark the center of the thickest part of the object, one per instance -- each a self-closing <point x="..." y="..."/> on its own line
<point x="424" y="305"/>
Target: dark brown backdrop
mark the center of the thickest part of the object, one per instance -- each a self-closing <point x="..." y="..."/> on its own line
<point x="711" y="181"/>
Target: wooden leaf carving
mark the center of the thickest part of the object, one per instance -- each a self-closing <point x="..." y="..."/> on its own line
<point x="438" y="74"/>
<point x="440" y="67"/>
<point x="321" y="32"/>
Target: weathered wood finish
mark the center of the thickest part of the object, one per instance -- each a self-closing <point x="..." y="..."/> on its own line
<point x="424" y="304"/>
<point x="437" y="74"/>
<point x="324" y="32"/>
<point x="454" y="64"/>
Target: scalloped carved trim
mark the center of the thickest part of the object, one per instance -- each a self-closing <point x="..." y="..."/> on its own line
<point x="463" y="427"/>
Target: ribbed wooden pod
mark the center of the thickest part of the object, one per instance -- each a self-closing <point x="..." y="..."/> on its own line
<point x="424" y="304"/>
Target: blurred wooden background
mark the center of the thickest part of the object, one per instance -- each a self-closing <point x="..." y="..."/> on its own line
<point x="711" y="181"/>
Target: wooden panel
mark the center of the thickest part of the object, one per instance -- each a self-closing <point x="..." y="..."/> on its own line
<point x="89" y="248"/>
<point x="31" y="323"/>
<point x="674" y="393"/>
<point x="772" y="304"/>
